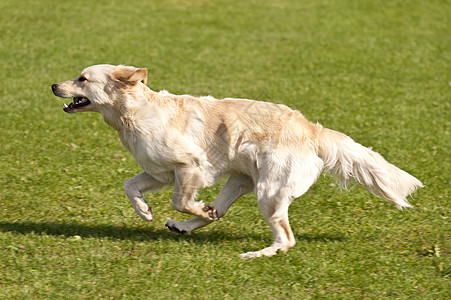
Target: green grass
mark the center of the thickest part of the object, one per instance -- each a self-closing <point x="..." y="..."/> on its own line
<point x="376" y="70"/>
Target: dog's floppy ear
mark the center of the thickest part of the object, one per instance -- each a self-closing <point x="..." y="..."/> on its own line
<point x="130" y="74"/>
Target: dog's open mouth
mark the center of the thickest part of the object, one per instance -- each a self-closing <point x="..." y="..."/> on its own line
<point x="78" y="102"/>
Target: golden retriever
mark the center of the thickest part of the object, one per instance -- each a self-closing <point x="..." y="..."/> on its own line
<point x="192" y="142"/>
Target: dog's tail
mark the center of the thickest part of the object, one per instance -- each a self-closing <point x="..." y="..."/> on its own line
<point x="348" y="160"/>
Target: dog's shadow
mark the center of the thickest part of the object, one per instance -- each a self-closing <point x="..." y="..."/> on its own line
<point x="68" y="230"/>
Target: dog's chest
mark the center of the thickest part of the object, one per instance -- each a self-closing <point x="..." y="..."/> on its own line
<point x="149" y="153"/>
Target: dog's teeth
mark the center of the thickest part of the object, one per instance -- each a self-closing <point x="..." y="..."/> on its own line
<point x="65" y="105"/>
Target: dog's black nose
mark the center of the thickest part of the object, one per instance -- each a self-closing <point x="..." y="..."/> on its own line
<point x="54" y="87"/>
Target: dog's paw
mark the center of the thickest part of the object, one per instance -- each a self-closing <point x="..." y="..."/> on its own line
<point x="250" y="255"/>
<point x="270" y="251"/>
<point x="171" y="226"/>
<point x="146" y="215"/>
<point x="211" y="212"/>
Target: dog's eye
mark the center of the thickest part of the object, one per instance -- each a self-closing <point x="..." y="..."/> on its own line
<point x="82" y="78"/>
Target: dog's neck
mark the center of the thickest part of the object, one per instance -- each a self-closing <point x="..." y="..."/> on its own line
<point x="113" y="118"/>
<point x="129" y="110"/>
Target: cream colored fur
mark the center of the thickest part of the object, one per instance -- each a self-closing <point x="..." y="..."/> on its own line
<point x="265" y="148"/>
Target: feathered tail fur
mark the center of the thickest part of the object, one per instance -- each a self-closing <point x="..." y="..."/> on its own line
<point x="347" y="160"/>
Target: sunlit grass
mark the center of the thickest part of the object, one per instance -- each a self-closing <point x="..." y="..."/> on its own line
<point x="378" y="71"/>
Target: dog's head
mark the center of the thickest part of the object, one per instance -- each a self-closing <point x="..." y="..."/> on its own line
<point x="98" y="86"/>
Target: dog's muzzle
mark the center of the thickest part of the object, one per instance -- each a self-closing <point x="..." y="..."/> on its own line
<point x="77" y="101"/>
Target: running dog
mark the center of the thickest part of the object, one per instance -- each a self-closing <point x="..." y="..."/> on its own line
<point x="192" y="142"/>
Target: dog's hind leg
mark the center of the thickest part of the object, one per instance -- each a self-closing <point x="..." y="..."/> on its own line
<point x="134" y="189"/>
<point x="236" y="186"/>
<point x="276" y="191"/>
<point x="275" y="212"/>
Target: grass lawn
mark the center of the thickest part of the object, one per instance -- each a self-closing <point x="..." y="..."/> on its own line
<point x="378" y="71"/>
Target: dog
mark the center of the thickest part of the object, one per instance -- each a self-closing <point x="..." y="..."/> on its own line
<point x="192" y="142"/>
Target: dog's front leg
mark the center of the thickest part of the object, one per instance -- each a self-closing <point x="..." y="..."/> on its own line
<point x="188" y="180"/>
<point x="235" y="187"/>
<point x="135" y="187"/>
